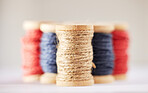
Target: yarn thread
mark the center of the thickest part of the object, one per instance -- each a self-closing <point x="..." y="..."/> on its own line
<point x="31" y="52"/>
<point x="103" y="54"/>
<point x="120" y="43"/>
<point x="74" y="55"/>
<point x="48" y="52"/>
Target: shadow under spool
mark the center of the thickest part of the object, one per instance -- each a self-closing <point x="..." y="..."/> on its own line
<point x="74" y="55"/>
<point x="120" y="37"/>
<point x="103" y="54"/>
<point x="31" y="51"/>
<point x="48" y="53"/>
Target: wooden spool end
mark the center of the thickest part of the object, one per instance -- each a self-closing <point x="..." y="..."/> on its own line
<point x="104" y="79"/>
<point x="34" y="25"/>
<point x="121" y="27"/>
<point x="48" y="27"/>
<point x="31" y="78"/>
<point x="75" y="83"/>
<point x="120" y="77"/>
<point x="31" y="25"/>
<point x="74" y="27"/>
<point x="48" y="78"/>
<point x="103" y="28"/>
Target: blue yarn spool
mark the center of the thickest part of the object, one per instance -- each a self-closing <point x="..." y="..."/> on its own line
<point x="103" y="54"/>
<point x="48" y="52"/>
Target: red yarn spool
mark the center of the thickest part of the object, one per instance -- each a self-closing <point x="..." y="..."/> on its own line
<point x="31" y="52"/>
<point x="120" y="44"/>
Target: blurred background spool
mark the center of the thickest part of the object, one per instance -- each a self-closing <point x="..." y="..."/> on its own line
<point x="74" y="55"/>
<point x="48" y="53"/>
<point x="31" y="51"/>
<point x="103" y="54"/>
<point x="120" y="43"/>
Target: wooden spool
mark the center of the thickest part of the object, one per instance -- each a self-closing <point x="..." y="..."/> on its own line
<point x="103" y="28"/>
<point x="120" y="27"/>
<point x="48" y="78"/>
<point x="73" y="82"/>
<point x="31" y="25"/>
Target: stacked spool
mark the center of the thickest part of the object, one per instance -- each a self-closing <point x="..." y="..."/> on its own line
<point x="120" y="43"/>
<point x="31" y="51"/>
<point x="103" y="53"/>
<point x="74" y="55"/>
<point x="48" y="53"/>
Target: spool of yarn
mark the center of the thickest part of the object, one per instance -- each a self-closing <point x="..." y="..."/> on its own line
<point x="103" y="54"/>
<point x="120" y="43"/>
<point x="74" y="55"/>
<point x="31" y="51"/>
<point x="48" y="53"/>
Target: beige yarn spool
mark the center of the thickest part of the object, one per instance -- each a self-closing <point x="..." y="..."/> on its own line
<point x="121" y="27"/>
<point x="31" y="25"/>
<point x="48" y="78"/>
<point x="74" y="55"/>
<point x="103" y="28"/>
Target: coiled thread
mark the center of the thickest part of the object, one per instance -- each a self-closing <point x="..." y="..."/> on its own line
<point x="74" y="57"/>
<point x="120" y="43"/>
<point x="31" y="52"/>
<point x="103" y="54"/>
<point x="48" y="52"/>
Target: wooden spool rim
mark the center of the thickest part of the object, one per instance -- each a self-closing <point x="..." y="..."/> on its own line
<point x="103" y="79"/>
<point x="120" y="77"/>
<point x="74" y="27"/>
<point x="103" y="28"/>
<point x="29" y="25"/>
<point x="48" y="78"/>
<point x="121" y="26"/>
<point x="48" y="27"/>
<point x="31" y="78"/>
<point x="75" y="83"/>
<point x="33" y="25"/>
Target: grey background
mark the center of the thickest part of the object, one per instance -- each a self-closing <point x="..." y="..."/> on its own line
<point x="14" y="12"/>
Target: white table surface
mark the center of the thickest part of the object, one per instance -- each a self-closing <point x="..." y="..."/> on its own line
<point x="137" y="82"/>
